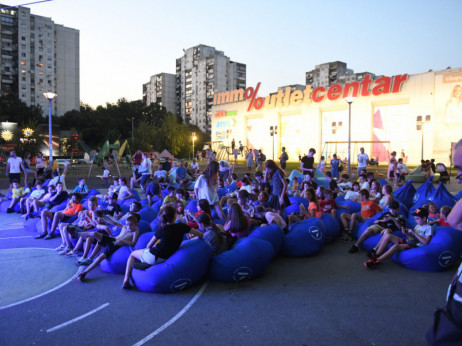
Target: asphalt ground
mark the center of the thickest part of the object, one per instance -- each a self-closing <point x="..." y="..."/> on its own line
<point x="329" y="299"/>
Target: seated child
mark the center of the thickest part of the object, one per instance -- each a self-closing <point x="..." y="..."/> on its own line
<point x="18" y="193"/>
<point x="295" y="185"/>
<point x="165" y="242"/>
<point x="314" y="209"/>
<point x="81" y="188"/>
<point x="214" y="235"/>
<point x="26" y="203"/>
<point x="328" y="204"/>
<point x="269" y="217"/>
<point x="170" y="198"/>
<point x="443" y="220"/>
<point x="128" y="236"/>
<point x="420" y="236"/>
<point x="238" y="224"/>
<point x="353" y="195"/>
<point x="368" y="210"/>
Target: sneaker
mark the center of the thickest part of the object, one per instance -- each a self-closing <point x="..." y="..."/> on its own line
<point x="372" y="263"/>
<point x="85" y="262"/>
<point x="81" y="276"/>
<point x="71" y="253"/>
<point x="10" y="210"/>
<point x="50" y="236"/>
<point x="372" y="254"/>
<point x="40" y="236"/>
<point x="61" y="247"/>
<point x="354" y="249"/>
<point x="64" y="251"/>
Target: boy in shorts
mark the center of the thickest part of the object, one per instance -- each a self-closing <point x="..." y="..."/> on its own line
<point x="368" y="210"/>
<point x="128" y="236"/>
<point x="419" y="236"/>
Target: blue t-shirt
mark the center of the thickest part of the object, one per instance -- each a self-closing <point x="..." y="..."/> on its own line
<point x="276" y="181"/>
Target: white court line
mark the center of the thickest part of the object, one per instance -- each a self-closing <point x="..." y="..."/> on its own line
<point x="174" y="318"/>
<point x="77" y="318"/>
<point x="44" y="293"/>
<point x="25" y="236"/>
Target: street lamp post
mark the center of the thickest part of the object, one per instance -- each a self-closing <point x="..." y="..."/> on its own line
<point x="273" y="132"/>
<point x="193" y="139"/>
<point x="50" y="96"/>
<point x="349" y="100"/>
<point x="420" y="126"/>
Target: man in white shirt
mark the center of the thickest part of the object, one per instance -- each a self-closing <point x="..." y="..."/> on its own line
<point x="363" y="160"/>
<point x="60" y="178"/>
<point x="13" y="167"/>
<point x="224" y="170"/>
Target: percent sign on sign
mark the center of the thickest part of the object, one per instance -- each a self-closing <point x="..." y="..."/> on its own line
<point x="251" y="94"/>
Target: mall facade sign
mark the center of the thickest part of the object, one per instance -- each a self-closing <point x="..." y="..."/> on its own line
<point x="384" y="116"/>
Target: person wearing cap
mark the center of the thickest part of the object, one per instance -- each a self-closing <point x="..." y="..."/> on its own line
<point x="388" y="222"/>
<point x="419" y="236"/>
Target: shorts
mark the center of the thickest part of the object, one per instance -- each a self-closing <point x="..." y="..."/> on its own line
<point x="362" y="218"/>
<point x="376" y="229"/>
<point x="15" y="176"/>
<point x="148" y="258"/>
<point x="109" y="249"/>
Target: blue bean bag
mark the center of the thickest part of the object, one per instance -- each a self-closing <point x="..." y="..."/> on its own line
<point x="322" y="182"/>
<point x="117" y="262"/>
<point x="444" y="249"/>
<point x="4" y="206"/>
<point x="295" y="173"/>
<point x="271" y="233"/>
<point x="147" y="213"/>
<point x="231" y="188"/>
<point x="192" y="206"/>
<point x="144" y="202"/>
<point x="144" y="227"/>
<point x="143" y="240"/>
<point x="383" y="182"/>
<point x="458" y="195"/>
<point x="154" y="225"/>
<point x="442" y="196"/>
<point x="221" y="192"/>
<point x="156" y="206"/>
<point x="355" y="207"/>
<point x="424" y="192"/>
<point x="405" y="194"/>
<point x="305" y="238"/>
<point x="92" y="192"/>
<point x="45" y="184"/>
<point x="372" y="241"/>
<point x="331" y="226"/>
<point x="184" y="268"/>
<point x="294" y="207"/>
<point x="125" y="208"/>
<point x="340" y="198"/>
<point x="248" y="259"/>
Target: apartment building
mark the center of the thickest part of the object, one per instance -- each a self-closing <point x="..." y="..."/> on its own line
<point x="37" y="56"/>
<point x="201" y="72"/>
<point x="161" y="89"/>
<point x="333" y="72"/>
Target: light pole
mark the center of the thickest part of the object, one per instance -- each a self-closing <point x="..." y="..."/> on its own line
<point x="193" y="139"/>
<point x="420" y="126"/>
<point x="349" y="100"/>
<point x="50" y="96"/>
<point x="273" y="132"/>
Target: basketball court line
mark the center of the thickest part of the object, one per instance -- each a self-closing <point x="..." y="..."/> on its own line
<point x="65" y="324"/>
<point x="174" y="318"/>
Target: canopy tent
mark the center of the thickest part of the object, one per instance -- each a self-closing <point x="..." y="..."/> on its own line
<point x="166" y="154"/>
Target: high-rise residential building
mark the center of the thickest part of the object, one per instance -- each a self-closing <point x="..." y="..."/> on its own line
<point x="201" y="72"/>
<point x="161" y="89"/>
<point x="333" y="72"/>
<point x="38" y="56"/>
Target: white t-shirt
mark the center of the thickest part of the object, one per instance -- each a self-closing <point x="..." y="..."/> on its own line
<point x="352" y="195"/>
<point x="123" y="192"/>
<point x="225" y="167"/>
<point x="160" y="174"/>
<point x="206" y="191"/>
<point x="362" y="160"/>
<point x="345" y="186"/>
<point x="424" y="231"/>
<point x="193" y="165"/>
<point x="364" y="185"/>
<point x="37" y="193"/>
<point x="60" y="179"/>
<point x="15" y="164"/>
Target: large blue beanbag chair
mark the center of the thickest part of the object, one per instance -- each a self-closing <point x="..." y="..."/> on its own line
<point x="340" y="198"/>
<point x="405" y="194"/>
<point x="295" y="173"/>
<point x="144" y="226"/>
<point x="271" y="233"/>
<point x="443" y="250"/>
<point x="305" y="238"/>
<point x="117" y="262"/>
<point x="186" y="266"/>
<point x="45" y="184"/>
<point x="231" y="188"/>
<point x="4" y="206"/>
<point x="425" y="191"/>
<point x="156" y="206"/>
<point x="59" y="207"/>
<point x="125" y="208"/>
<point x="220" y="221"/>
<point x="355" y="207"/>
<point x="248" y="259"/>
<point x="443" y="197"/>
<point x="143" y="240"/>
<point x="154" y="225"/>
<point x="144" y="201"/>
<point x="458" y="195"/>
<point x="294" y="207"/>
<point x="136" y="195"/>
<point x="221" y="192"/>
<point x="332" y="227"/>
<point x="192" y="206"/>
<point x="92" y="192"/>
<point x="322" y="182"/>
<point x="148" y="213"/>
<point x="383" y="182"/>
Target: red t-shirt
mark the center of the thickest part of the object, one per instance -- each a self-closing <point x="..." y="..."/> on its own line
<point x="73" y="209"/>
<point x="369" y="209"/>
<point x="327" y="206"/>
<point x="443" y="222"/>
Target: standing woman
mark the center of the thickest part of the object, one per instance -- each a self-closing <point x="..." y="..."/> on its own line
<point x="206" y="187"/>
<point x="249" y="159"/>
<point x="40" y="164"/>
<point x="27" y="169"/>
<point x="275" y="175"/>
<point x="334" y="166"/>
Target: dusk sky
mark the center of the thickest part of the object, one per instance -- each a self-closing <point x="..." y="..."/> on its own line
<point x="123" y="43"/>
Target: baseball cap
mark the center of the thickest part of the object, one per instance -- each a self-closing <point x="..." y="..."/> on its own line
<point x="420" y="212"/>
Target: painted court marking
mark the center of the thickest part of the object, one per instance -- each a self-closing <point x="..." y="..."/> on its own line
<point x="174" y="318"/>
<point x="43" y="293"/>
<point x="25" y="236"/>
<point x="65" y="324"/>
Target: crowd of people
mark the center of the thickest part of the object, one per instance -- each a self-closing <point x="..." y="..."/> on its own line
<point x="257" y="198"/>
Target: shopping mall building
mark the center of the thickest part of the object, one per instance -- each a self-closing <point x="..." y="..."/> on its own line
<point x="418" y="115"/>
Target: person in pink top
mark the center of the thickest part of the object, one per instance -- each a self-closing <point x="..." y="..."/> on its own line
<point x="238" y="224"/>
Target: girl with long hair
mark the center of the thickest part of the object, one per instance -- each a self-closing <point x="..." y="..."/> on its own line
<point x="275" y="175"/>
<point x="206" y="187"/>
<point x="238" y="224"/>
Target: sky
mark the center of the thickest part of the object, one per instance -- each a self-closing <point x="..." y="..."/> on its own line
<point x="123" y="43"/>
